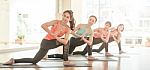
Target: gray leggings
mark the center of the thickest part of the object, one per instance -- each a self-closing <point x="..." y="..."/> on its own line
<point x="44" y="47"/>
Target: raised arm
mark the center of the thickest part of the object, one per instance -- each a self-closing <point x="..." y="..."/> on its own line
<point x="76" y="28"/>
<point x="47" y="24"/>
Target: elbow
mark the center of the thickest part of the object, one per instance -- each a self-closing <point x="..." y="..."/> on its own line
<point x="107" y="41"/>
<point x="42" y="26"/>
<point x="66" y="42"/>
<point x="90" y="43"/>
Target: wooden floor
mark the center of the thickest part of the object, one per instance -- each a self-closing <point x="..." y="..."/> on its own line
<point x="137" y="58"/>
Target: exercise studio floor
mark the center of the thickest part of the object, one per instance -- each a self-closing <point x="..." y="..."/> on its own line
<point x="135" y="58"/>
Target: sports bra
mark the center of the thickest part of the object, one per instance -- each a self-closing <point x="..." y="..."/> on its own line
<point x="83" y="30"/>
<point x="56" y="27"/>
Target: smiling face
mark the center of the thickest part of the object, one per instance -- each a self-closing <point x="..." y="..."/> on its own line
<point x="120" y="27"/>
<point x="66" y="17"/>
<point x="107" y="25"/>
<point x="92" y="20"/>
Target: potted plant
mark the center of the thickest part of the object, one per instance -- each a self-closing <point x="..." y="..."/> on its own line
<point x="20" y="39"/>
<point x="147" y="43"/>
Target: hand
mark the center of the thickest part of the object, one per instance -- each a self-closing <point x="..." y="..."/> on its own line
<point x="72" y="32"/>
<point x="81" y="36"/>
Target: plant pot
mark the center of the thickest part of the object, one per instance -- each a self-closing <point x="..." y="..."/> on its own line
<point x="147" y="44"/>
<point x="19" y="41"/>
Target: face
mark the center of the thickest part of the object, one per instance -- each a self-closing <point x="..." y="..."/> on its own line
<point x="91" y="20"/>
<point x="66" y="17"/>
<point x="115" y="32"/>
<point x="107" y="26"/>
<point x="120" y="28"/>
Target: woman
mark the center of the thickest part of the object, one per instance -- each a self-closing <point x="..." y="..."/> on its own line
<point x="100" y="35"/>
<point x="82" y="34"/>
<point x="53" y="39"/>
<point x="115" y="35"/>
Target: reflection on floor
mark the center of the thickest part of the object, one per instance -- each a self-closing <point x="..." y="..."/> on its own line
<point x="136" y="58"/>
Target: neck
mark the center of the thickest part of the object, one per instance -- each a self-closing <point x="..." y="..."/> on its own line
<point x="89" y="25"/>
<point x="64" y="24"/>
<point x="106" y="29"/>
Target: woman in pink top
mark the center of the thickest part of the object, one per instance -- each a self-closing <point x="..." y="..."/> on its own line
<point x="53" y="39"/>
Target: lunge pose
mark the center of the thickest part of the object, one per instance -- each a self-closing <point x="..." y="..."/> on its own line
<point x="82" y="34"/>
<point x="115" y="35"/>
<point x="101" y="35"/>
<point x="53" y="39"/>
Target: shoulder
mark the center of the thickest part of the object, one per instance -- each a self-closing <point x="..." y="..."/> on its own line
<point x="79" y="25"/>
<point x="99" y="29"/>
<point x="68" y="30"/>
<point x="53" y="22"/>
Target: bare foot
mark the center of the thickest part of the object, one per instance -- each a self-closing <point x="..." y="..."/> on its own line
<point x="108" y="54"/>
<point x="91" y="58"/>
<point x="68" y="64"/>
<point x="10" y="62"/>
<point x="45" y="57"/>
<point x="120" y="52"/>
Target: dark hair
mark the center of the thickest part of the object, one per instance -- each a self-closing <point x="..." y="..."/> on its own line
<point x="108" y="22"/>
<point x="121" y="25"/>
<point x="72" y="20"/>
<point x="94" y="17"/>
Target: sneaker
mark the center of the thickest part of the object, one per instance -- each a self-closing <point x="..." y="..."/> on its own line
<point x="120" y="52"/>
<point x="68" y="64"/>
<point x="108" y="54"/>
<point x="10" y="62"/>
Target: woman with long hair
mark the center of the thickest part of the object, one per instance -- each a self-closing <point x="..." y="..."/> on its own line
<point x="53" y="39"/>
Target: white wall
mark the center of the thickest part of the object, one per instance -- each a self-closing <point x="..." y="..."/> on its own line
<point x="4" y="20"/>
<point x="76" y="6"/>
<point x="62" y="6"/>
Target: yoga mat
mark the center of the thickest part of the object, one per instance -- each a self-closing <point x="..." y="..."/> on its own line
<point x="82" y="59"/>
<point x="44" y="65"/>
<point x="104" y="59"/>
<point x="71" y="58"/>
<point x="114" y="55"/>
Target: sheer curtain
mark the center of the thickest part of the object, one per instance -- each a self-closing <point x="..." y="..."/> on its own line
<point x="132" y="13"/>
<point x="26" y="17"/>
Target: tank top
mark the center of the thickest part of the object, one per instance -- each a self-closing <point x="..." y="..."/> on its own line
<point x="56" y="27"/>
<point x="82" y="31"/>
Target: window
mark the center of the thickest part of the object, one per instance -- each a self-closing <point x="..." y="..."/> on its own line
<point x="132" y="13"/>
<point x="26" y="17"/>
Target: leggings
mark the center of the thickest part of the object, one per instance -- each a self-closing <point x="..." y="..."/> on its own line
<point x="45" y="46"/>
<point x="105" y="45"/>
<point x="74" y="42"/>
<point x="89" y="48"/>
